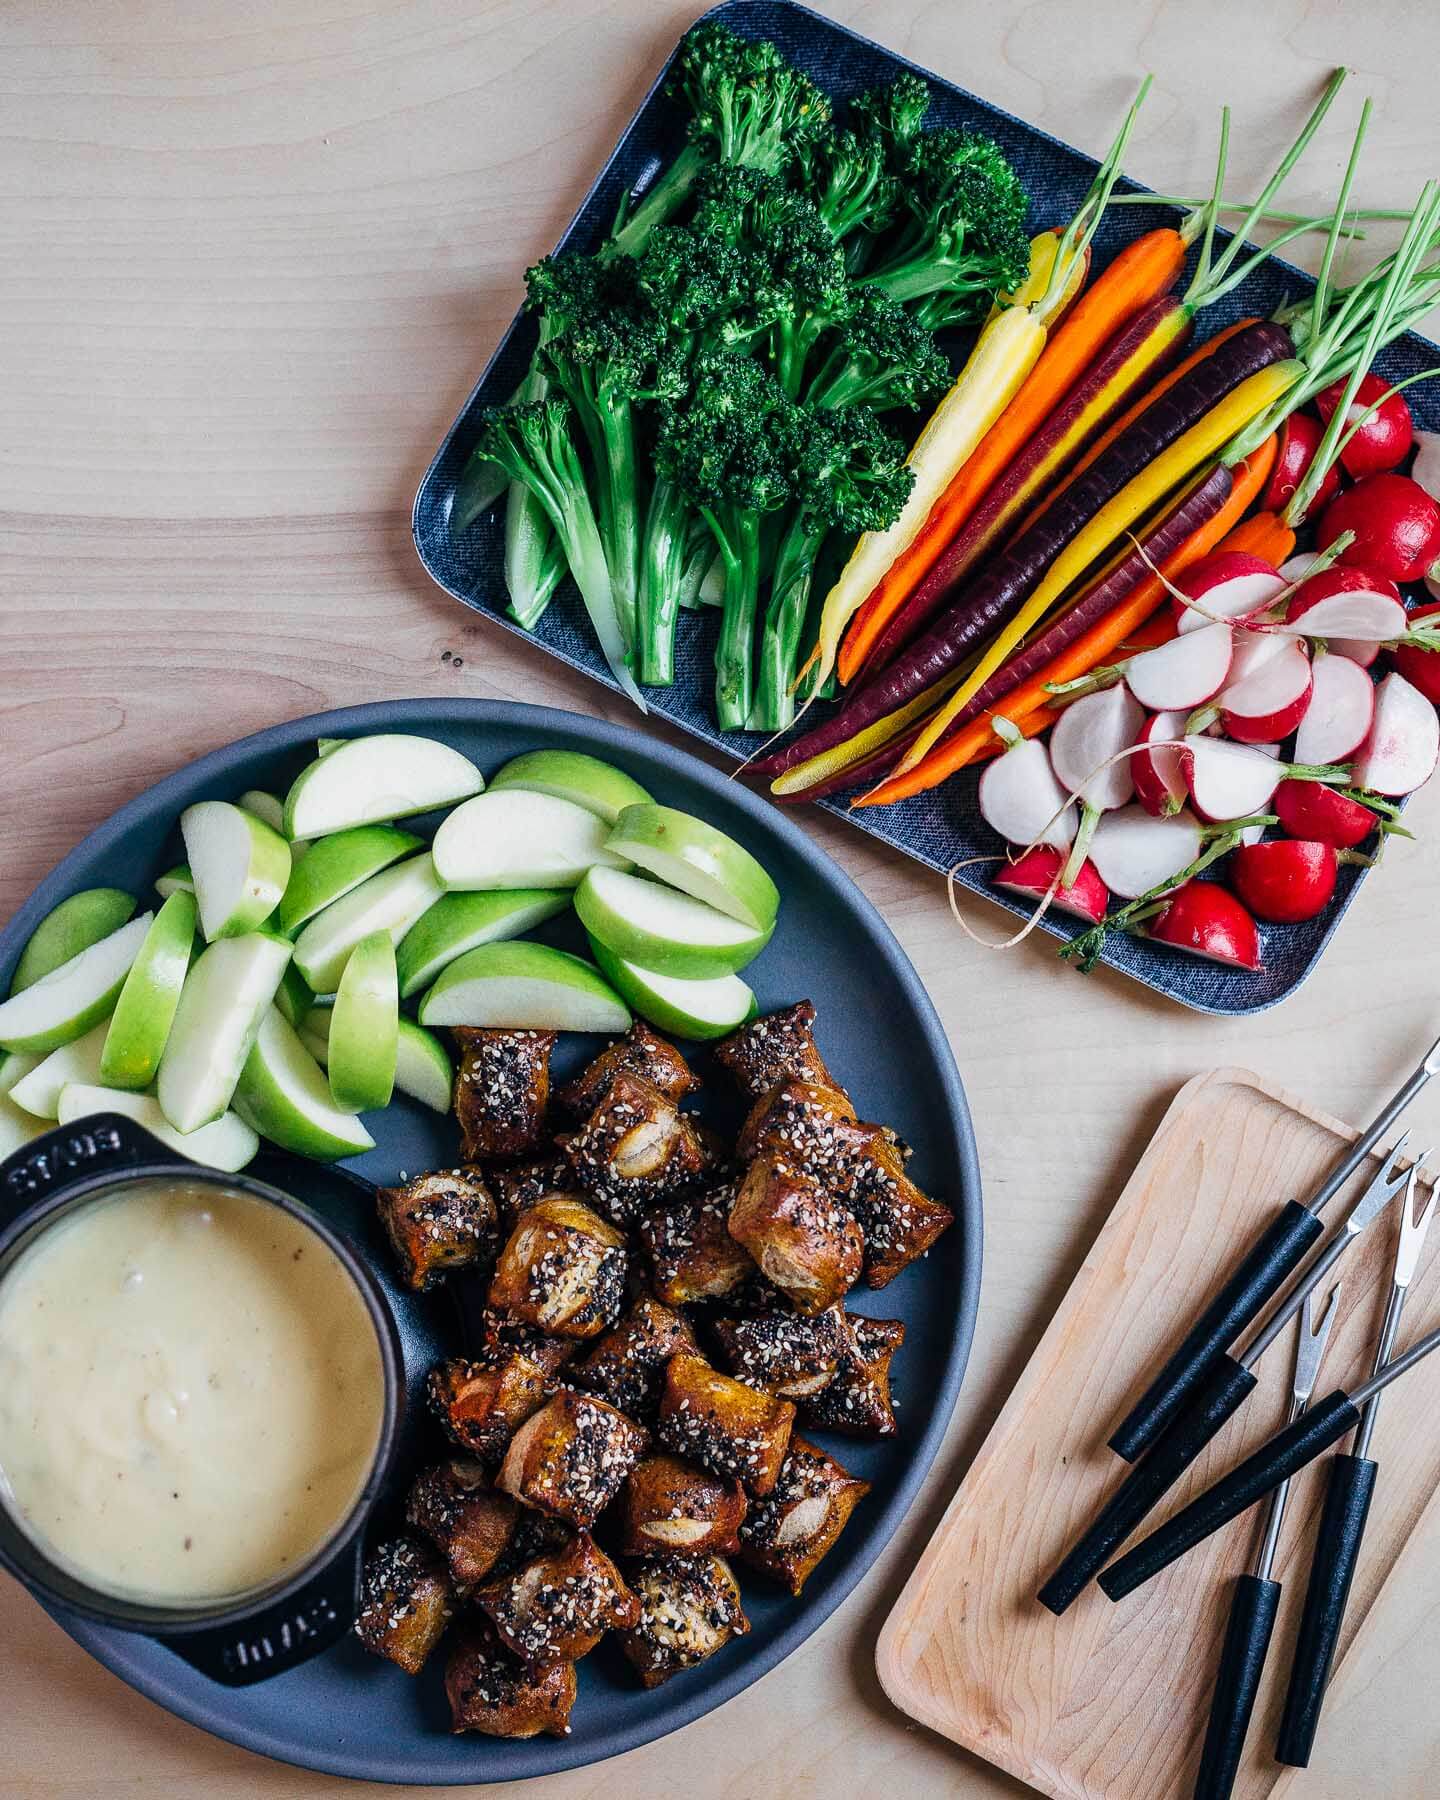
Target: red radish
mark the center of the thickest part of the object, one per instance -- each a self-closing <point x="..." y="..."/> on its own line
<point x="1031" y="874"/>
<point x="1182" y="674"/>
<point x="1347" y="602"/>
<point x="1159" y="780"/>
<point x="1404" y="742"/>
<point x="1272" y="700"/>
<point x="1421" y="668"/>
<point x="1357" y="650"/>
<point x="1021" y="799"/>
<point x="1383" y="441"/>
<point x="1395" y="522"/>
<point x="1229" y="584"/>
<point x="1426" y="467"/>
<point x="1087" y="750"/>
<point x="1204" y="919"/>
<point x="1298" y="566"/>
<point x="1285" y="881"/>
<point x="1228" y="781"/>
<point x="1300" y="437"/>
<point x="1338" y="718"/>
<point x="1135" y="852"/>
<point x="1251" y="834"/>
<point x="1310" y="810"/>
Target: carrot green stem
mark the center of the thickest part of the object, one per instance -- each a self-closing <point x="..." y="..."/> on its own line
<point x="1075" y="239"/>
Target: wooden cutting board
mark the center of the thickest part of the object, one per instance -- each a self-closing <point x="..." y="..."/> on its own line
<point x="1110" y="1701"/>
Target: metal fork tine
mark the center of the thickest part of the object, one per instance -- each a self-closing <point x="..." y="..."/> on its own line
<point x="1393" y="1174"/>
<point x="1413" y="1228"/>
<point x="1310" y="1352"/>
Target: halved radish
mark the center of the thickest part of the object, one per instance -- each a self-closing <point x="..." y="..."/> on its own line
<point x="1360" y="650"/>
<point x="1285" y="881"/>
<point x="1421" y="668"/>
<point x="1228" y="781"/>
<point x="1382" y="427"/>
<point x="1230" y="584"/>
<point x="1346" y="602"/>
<point x="1300" y="437"/>
<point x="1310" y="810"/>
<point x="1156" y="771"/>
<point x="1205" y="920"/>
<point x="1270" y="702"/>
<point x="1030" y="876"/>
<point x="1404" y="742"/>
<point x="1087" y="750"/>
<point x="1021" y="799"/>
<point x="1134" y="852"/>
<point x="1182" y="674"/>
<point x="1337" y="720"/>
<point x="1426" y="467"/>
<point x="1394" y="522"/>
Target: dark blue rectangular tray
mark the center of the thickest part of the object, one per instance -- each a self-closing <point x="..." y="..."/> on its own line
<point x="944" y="827"/>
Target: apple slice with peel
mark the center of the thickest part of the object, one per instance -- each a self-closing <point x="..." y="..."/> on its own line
<point x="14" y="1068"/>
<point x="139" y="1026"/>
<point x="1020" y="798"/>
<point x="520" y="839"/>
<point x="283" y="1094"/>
<point x="458" y="922"/>
<point x="366" y="781"/>
<point x="364" y="1027"/>
<point x="1030" y="876"/>
<point x="1229" y="584"/>
<point x="39" y="1091"/>
<point x="293" y="996"/>
<point x="391" y="901"/>
<point x="518" y="986"/>
<point x="17" y="1127"/>
<point x="323" y="746"/>
<point x="265" y="807"/>
<point x="1400" y="753"/>
<point x="225" y="1143"/>
<point x="423" y="1069"/>
<point x="229" y="988"/>
<point x="74" y="925"/>
<point x="336" y="865"/>
<point x="1347" y="603"/>
<point x="239" y="864"/>
<point x="598" y="786"/>
<point x="1206" y="920"/>
<point x="1270" y="701"/>
<point x="656" y="927"/>
<point x="1134" y="852"/>
<point x="1228" y="781"/>
<point x="699" y="859"/>
<point x="64" y="1004"/>
<point x="698" y="1010"/>
<point x="1183" y="674"/>
<point x="1155" y="767"/>
<point x="178" y="880"/>
<point x="1341" y="710"/>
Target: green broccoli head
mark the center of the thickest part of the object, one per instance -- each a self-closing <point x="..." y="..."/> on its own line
<point x="850" y="178"/>
<point x="851" y="473"/>
<point x="894" y="115"/>
<point x="882" y="356"/>
<point x="533" y="443"/>
<point x="748" y="105"/>
<point x="730" y="441"/>
<point x="805" y="266"/>
<point x="600" y="327"/>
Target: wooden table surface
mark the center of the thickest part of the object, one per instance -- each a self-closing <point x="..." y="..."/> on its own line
<point x="252" y="255"/>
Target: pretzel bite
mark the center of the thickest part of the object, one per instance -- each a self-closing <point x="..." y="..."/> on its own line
<point x="405" y="1602"/>
<point x="519" y="1185"/>
<point x="502" y="1090"/>
<point x="857" y="1400"/>
<point x="779" y="1047"/>
<point x="437" y="1223"/>
<point x="570" y="1458"/>
<point x="481" y="1404"/>
<point x="689" y="1608"/>
<point x="805" y="1122"/>
<point x="627" y="1366"/>
<point x="727" y="1427"/>
<point x="787" y="1533"/>
<point x="692" y="1254"/>
<point x="899" y="1220"/>
<point x="636" y="1149"/>
<point x="562" y="1269"/>
<point x="491" y="1690"/>
<point x="673" y="1507"/>
<point x="557" y="1608"/>
<point x="641" y="1052"/>
<point x="804" y="1240"/>
<point x="786" y="1353"/>
<point x="468" y="1522"/>
<point x="536" y="1534"/>
<point x="500" y="1334"/>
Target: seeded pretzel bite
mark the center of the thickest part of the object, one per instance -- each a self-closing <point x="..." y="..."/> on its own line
<point x="692" y="1254"/>
<point x="481" y="1403"/>
<point x="636" y="1149"/>
<point x="502" y="1091"/>
<point x="805" y="1121"/>
<point x="803" y="1239"/>
<point x="779" y="1047"/>
<point x="571" y="1457"/>
<point x="491" y="1690"/>
<point x="786" y="1533"/>
<point x="857" y="1401"/>
<point x="406" y="1600"/>
<point x="467" y="1520"/>
<point x="557" y="1608"/>
<point x="519" y="1185"/>
<point x="562" y="1269"/>
<point x="786" y="1353"/>
<point x="627" y="1366"/>
<point x="536" y="1534"/>
<point x="671" y="1507"/>
<point x="727" y="1427"/>
<point x="500" y="1334"/>
<point x="899" y="1220"/>
<point x="641" y="1052"/>
<point x="438" y="1223"/>
<point x="689" y="1608"/>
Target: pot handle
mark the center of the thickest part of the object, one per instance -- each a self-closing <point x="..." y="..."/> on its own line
<point x="49" y="1164"/>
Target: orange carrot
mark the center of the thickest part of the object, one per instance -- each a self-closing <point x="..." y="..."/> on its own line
<point x="1263" y="534"/>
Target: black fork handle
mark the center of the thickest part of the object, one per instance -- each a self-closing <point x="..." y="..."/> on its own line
<point x="1242" y="1662"/>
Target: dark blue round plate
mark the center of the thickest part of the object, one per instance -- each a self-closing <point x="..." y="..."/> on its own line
<point x="348" y="1714"/>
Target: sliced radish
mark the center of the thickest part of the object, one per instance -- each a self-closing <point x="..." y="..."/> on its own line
<point x="1348" y="603"/>
<point x="1421" y="668"/>
<point x="1087" y="736"/>
<point x="1285" y="881"/>
<point x="1382" y="426"/>
<point x="1400" y="753"/>
<point x="1230" y="584"/>
<point x="1228" y="781"/>
<point x="1205" y="920"/>
<point x="1182" y="674"/>
<point x="1395" y="526"/>
<point x="1358" y="650"/>
<point x="1271" y="701"/>
<point x="1426" y="467"/>
<point x="1337" y="720"/>
<point x="1030" y="876"/>
<point x="1297" y="567"/>
<point x="1310" y="810"/>
<point x="1134" y="852"/>
<point x="1300" y="437"/>
<point x="1159" y="779"/>
<point x="1021" y="799"/>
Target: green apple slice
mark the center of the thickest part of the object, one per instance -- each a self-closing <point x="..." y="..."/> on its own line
<point x="688" y="1009"/>
<point x="519" y="839"/>
<point x="145" y="1011"/>
<point x="283" y="1093"/>
<point x="14" y="1068"/>
<point x="391" y="901"/>
<point x="225" y="1143"/>
<point x="365" y="781"/>
<point x="364" y="1027"/>
<point x="323" y="746"/>
<point x="293" y="996"/>
<point x="240" y="867"/>
<point x="314" y="1030"/>
<point x="39" y="1091"/>
<point x="423" y="1069"/>
<point x="264" y="806"/>
<point x="225" y="996"/>
<point x="336" y="865"/>
<point x="178" y="880"/>
<point x="699" y="860"/>
<point x="659" y="928"/>
<point x="519" y="986"/>
<point x="17" y="1127"/>
<point x="64" y="1004"/>
<point x="73" y="926"/>
<point x="460" y="922"/>
<point x="572" y="775"/>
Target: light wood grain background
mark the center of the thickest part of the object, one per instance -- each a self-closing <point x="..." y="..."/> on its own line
<point x="252" y="255"/>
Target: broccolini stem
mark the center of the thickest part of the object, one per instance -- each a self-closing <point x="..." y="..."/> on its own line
<point x="659" y="203"/>
<point x="739" y="541"/>
<point x="534" y="564"/>
<point x="662" y="577"/>
<point x="790" y="588"/>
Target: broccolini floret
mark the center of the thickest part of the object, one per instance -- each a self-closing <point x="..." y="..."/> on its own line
<point x="879" y="356"/>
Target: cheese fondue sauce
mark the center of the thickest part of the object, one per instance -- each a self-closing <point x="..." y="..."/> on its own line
<point x="191" y="1393"/>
